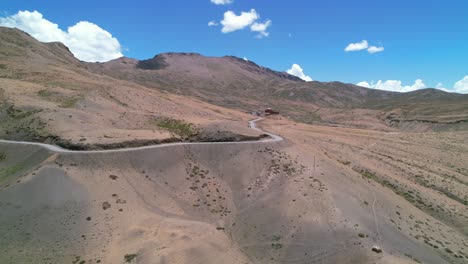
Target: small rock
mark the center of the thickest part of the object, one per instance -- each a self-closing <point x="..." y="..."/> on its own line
<point x="377" y="249"/>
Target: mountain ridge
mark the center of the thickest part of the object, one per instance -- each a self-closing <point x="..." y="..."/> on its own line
<point x="238" y="84"/>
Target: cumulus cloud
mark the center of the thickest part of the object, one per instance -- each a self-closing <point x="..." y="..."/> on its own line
<point x="261" y="28"/>
<point x="394" y="85"/>
<point x="233" y="22"/>
<point x="296" y="70"/>
<point x="87" y="41"/>
<point x="357" y="46"/>
<point x="221" y="2"/>
<point x="212" y="23"/>
<point x="374" y="49"/>
<point x="363" y="45"/>
<point x="461" y="86"/>
<point x="245" y="58"/>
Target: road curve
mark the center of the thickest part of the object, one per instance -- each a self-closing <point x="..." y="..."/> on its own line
<point x="252" y="124"/>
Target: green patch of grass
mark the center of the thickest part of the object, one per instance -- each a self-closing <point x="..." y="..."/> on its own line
<point x="176" y="127"/>
<point x="3" y="66"/>
<point x="7" y="172"/>
<point x="361" y="235"/>
<point x="368" y="175"/>
<point x="69" y="103"/>
<point x="2" y="156"/>
<point x="130" y="257"/>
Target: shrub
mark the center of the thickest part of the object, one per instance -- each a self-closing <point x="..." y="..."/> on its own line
<point x="129" y="257"/>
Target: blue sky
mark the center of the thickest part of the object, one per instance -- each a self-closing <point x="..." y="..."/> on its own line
<point x="426" y="40"/>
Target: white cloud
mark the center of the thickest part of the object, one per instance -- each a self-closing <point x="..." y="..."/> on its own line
<point x="364" y="84"/>
<point x="363" y="45"/>
<point x="233" y="22"/>
<point x="212" y="23"/>
<point x="87" y="41"/>
<point x="394" y="85"/>
<point x="374" y="49"/>
<point x="296" y="70"/>
<point x="261" y="28"/>
<point x="462" y="85"/>
<point x="221" y="2"/>
<point x="357" y="46"/>
<point x="245" y="58"/>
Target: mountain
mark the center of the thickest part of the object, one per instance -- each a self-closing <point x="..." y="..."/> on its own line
<point x="236" y="83"/>
<point x="48" y="95"/>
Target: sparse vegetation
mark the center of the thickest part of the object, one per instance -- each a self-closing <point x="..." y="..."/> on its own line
<point x="276" y="246"/>
<point x="368" y="175"/>
<point x="64" y="85"/>
<point x="2" y="156"/>
<point x="78" y="260"/>
<point x="413" y="258"/>
<point x="45" y="93"/>
<point x="106" y="205"/>
<point x="69" y="102"/>
<point x="113" y="98"/>
<point x="129" y="258"/>
<point x="276" y="238"/>
<point x="344" y="162"/>
<point x="176" y="127"/>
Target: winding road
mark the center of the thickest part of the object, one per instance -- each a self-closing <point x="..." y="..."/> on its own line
<point x="252" y="124"/>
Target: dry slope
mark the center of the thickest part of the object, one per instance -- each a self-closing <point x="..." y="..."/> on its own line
<point x="319" y="197"/>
